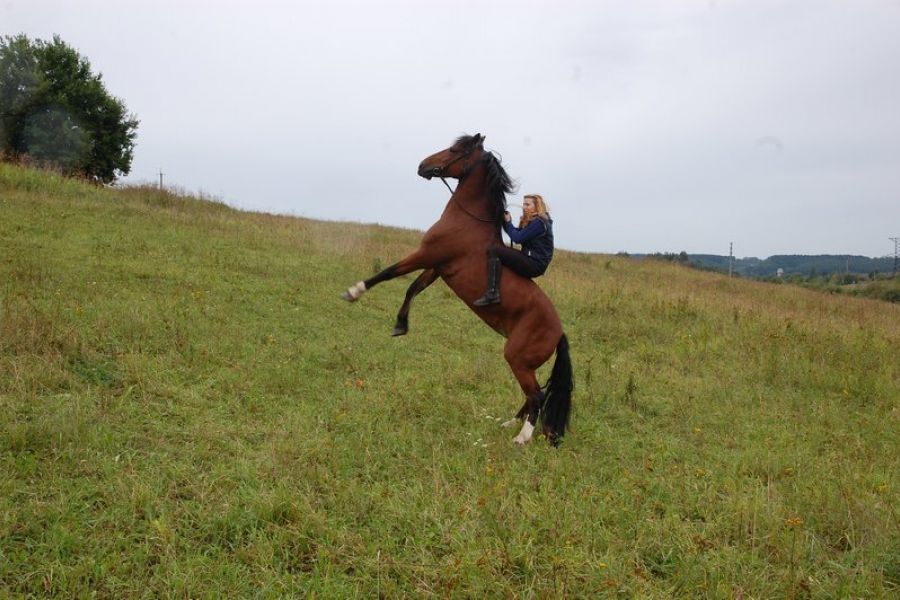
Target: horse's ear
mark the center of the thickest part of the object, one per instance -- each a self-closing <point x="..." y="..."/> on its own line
<point x="479" y="139"/>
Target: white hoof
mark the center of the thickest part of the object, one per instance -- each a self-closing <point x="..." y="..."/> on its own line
<point x="525" y="435"/>
<point x="510" y="423"/>
<point x="354" y="292"/>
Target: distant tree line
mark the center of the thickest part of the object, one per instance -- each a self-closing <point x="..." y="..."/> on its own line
<point x="821" y="265"/>
<point x="55" y="112"/>
<point x="837" y="274"/>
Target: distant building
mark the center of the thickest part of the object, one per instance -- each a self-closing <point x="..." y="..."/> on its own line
<point x="779" y="272"/>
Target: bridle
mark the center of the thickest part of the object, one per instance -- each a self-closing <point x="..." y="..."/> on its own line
<point x="438" y="172"/>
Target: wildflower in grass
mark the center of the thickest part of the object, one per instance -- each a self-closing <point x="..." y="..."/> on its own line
<point x="793" y="522"/>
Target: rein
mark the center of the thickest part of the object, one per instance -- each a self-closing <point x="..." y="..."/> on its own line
<point x="452" y="191"/>
<point x="465" y="210"/>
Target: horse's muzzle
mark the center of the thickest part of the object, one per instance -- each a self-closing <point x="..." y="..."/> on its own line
<point x="427" y="172"/>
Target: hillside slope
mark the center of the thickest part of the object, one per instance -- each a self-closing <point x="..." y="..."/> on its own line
<point x="187" y="409"/>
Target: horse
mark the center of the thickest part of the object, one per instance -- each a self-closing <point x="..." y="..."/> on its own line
<point x="455" y="250"/>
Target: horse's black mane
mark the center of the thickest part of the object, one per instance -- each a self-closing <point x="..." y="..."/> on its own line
<point x="498" y="181"/>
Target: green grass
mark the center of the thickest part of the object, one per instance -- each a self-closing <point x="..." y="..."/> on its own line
<point x="188" y="410"/>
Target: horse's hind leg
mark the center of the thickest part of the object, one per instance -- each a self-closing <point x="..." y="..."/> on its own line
<point x="418" y="286"/>
<point x="525" y="351"/>
<point x="533" y="401"/>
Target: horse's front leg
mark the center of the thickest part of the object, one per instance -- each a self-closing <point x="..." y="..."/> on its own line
<point x="418" y="286"/>
<point x="415" y="261"/>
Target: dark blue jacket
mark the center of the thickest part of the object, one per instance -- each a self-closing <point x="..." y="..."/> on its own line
<point x="536" y="239"/>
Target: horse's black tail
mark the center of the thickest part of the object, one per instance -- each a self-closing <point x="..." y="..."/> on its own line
<point x="558" y="394"/>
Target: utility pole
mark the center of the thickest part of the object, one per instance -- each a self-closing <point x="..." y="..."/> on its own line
<point x="160" y="178"/>
<point x="730" y="256"/>
<point x="896" y="241"/>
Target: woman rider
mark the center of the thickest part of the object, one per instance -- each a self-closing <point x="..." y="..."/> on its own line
<point x="535" y="234"/>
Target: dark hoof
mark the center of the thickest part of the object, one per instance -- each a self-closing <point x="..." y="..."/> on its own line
<point x="553" y="439"/>
<point x="401" y="327"/>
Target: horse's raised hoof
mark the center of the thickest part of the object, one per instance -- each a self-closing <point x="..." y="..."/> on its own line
<point x="511" y="423"/>
<point x="401" y="326"/>
<point x="354" y="292"/>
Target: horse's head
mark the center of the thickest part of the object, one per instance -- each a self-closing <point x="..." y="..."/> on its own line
<point x="454" y="161"/>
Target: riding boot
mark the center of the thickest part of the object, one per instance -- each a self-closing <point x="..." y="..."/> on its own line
<point x="492" y="295"/>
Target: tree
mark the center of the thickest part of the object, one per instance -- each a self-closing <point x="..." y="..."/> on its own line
<point x="54" y="111"/>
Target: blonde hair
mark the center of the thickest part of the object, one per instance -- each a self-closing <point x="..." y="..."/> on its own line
<point x="540" y="210"/>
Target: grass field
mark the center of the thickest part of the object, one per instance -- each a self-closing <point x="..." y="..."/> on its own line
<point x="188" y="410"/>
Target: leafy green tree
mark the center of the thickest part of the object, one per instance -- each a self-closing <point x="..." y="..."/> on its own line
<point x="54" y="111"/>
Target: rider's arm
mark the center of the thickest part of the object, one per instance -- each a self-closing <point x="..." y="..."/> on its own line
<point x="529" y="232"/>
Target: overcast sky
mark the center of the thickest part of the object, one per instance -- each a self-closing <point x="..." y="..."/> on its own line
<point x="647" y="125"/>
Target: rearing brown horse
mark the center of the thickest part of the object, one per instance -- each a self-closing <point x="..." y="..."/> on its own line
<point x="455" y="248"/>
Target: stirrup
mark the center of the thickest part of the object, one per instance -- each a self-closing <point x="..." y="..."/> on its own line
<point x="488" y="299"/>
